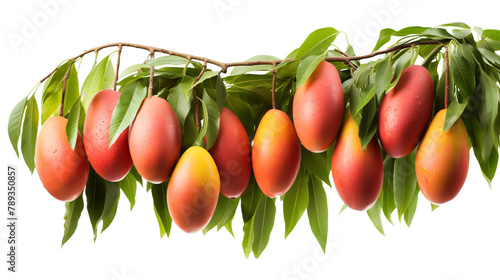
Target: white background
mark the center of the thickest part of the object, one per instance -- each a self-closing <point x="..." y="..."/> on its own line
<point x="460" y="240"/>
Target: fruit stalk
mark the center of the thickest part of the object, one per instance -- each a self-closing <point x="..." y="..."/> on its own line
<point x="63" y="91"/>
<point x="151" y="73"/>
<point x="120" y="46"/>
<point x="447" y="81"/>
<point x="273" y="92"/>
<point x="196" y="113"/>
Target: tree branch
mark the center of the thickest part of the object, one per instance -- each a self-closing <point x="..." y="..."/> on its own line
<point x="151" y="73"/>
<point x="117" y="66"/>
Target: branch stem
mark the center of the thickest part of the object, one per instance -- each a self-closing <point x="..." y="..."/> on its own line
<point x="151" y="73"/>
<point x="117" y="65"/>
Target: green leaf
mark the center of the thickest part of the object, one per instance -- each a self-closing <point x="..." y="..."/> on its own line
<point x="295" y="201"/>
<point x="405" y="182"/>
<point x="488" y="164"/>
<point x="30" y="131"/>
<point x="206" y="75"/>
<point x="50" y="106"/>
<point x="388" y="188"/>
<point x="244" y="113"/>
<point x="15" y="122"/>
<point x="96" y="197"/>
<point x="462" y="72"/>
<point x="365" y="96"/>
<point x="374" y="214"/>
<point x="72" y="90"/>
<point x="250" y="199"/>
<point x="203" y="131"/>
<point x="159" y="192"/>
<point x="316" y="163"/>
<point x="317" y="211"/>
<point x="136" y="174"/>
<point x="263" y="225"/>
<point x="438" y="33"/>
<point x="383" y="76"/>
<point x="97" y="80"/>
<point x="72" y="124"/>
<point x="219" y="212"/>
<point x="454" y="111"/>
<point x="317" y="42"/>
<point x="366" y="121"/>
<point x="490" y="93"/>
<point x="248" y="237"/>
<point x="265" y="67"/>
<point x="110" y="203"/>
<point x="342" y="209"/>
<point x="124" y="113"/>
<point x="384" y="38"/>
<point x="307" y="66"/>
<point x="456" y="24"/>
<point x="213" y="119"/>
<point x="73" y="212"/>
<point x="434" y="207"/>
<point x="181" y="105"/>
<point x="492" y="34"/>
<point x="412" y="208"/>
<point x="108" y="219"/>
<point x="128" y="186"/>
<point x="232" y="205"/>
<point x="221" y="93"/>
<point x="54" y="83"/>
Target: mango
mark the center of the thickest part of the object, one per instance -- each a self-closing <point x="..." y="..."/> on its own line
<point x="405" y="111"/>
<point x="357" y="174"/>
<point x="111" y="163"/>
<point x="193" y="190"/>
<point x="231" y="153"/>
<point x="275" y="153"/>
<point x="318" y="108"/>
<point x="155" y="140"/>
<point x="442" y="160"/>
<point x="63" y="172"/>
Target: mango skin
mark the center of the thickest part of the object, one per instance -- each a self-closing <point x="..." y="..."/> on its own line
<point x="442" y="161"/>
<point x="275" y="153"/>
<point x="111" y="163"/>
<point x="405" y="111"/>
<point x="155" y="140"/>
<point x="193" y="190"/>
<point x="357" y="174"/>
<point x="231" y="153"/>
<point x="318" y="108"/>
<point x="63" y="172"/>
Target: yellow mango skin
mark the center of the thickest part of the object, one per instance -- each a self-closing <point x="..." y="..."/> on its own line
<point x="193" y="190"/>
<point x="442" y="160"/>
<point x="275" y="153"/>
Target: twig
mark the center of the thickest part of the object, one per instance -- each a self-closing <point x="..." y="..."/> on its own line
<point x="447" y="81"/>
<point x="224" y="66"/>
<point x="349" y="63"/>
<point x="117" y="66"/>
<point x="63" y="91"/>
<point x="273" y="93"/>
<point x="151" y="73"/>
<point x="196" y="114"/>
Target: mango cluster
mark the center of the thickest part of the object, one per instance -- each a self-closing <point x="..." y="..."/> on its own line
<point x="153" y="142"/>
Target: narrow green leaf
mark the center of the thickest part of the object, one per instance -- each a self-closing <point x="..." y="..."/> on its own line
<point x="295" y="201"/>
<point x="365" y="96"/>
<point x="96" y="197"/>
<point x="181" y="105"/>
<point x="206" y="75"/>
<point x="73" y="212"/>
<point x="72" y="90"/>
<point x="15" y="122"/>
<point x="462" y="72"/>
<point x="95" y="81"/>
<point x="221" y="93"/>
<point x="30" y="131"/>
<point x="388" y="189"/>
<point x="383" y="76"/>
<point x="206" y="120"/>
<point x="316" y="163"/>
<point x="232" y="205"/>
<point x="136" y="174"/>
<point x="263" y="225"/>
<point x="248" y="237"/>
<point x="384" y="38"/>
<point x="454" y="111"/>
<point x="342" y="209"/>
<point x="213" y="119"/>
<point x="128" y="186"/>
<point x="317" y="42"/>
<point x="374" y="214"/>
<point x="159" y="192"/>
<point x="456" y="24"/>
<point x="307" y="66"/>
<point x="124" y="113"/>
<point x="72" y="124"/>
<point x="317" y="211"/>
<point x="54" y="83"/>
<point x="110" y="203"/>
<point x="434" y="207"/>
<point x="412" y="208"/>
<point x="250" y="199"/>
<point x="219" y="212"/>
<point x="405" y="182"/>
<point x="492" y="34"/>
